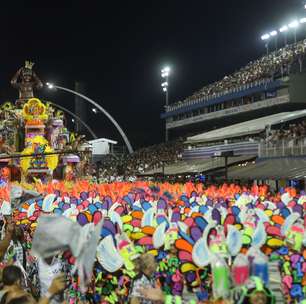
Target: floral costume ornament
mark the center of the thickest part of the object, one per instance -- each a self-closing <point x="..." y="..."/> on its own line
<point x="169" y="275"/>
<point x="203" y="250"/>
<point x="294" y="232"/>
<point x="217" y="243"/>
<point x="126" y="250"/>
<point x="166" y="233"/>
<point x="171" y="236"/>
<point x="167" y="238"/>
<point x="112" y="258"/>
<point x="248" y="218"/>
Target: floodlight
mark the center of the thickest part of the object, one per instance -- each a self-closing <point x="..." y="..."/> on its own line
<point x="293" y="24"/>
<point x="50" y="85"/>
<point x="303" y="20"/>
<point x="164" y="89"/>
<point x="273" y="33"/>
<point x="94" y="110"/>
<point x="265" y="37"/>
<point x="164" y="84"/>
<point x="165" y="74"/>
<point x="283" y="29"/>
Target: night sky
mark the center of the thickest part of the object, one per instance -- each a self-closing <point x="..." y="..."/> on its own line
<point x="117" y="49"/>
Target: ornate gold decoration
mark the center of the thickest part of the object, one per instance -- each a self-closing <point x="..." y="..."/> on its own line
<point x="40" y="146"/>
<point x="34" y="112"/>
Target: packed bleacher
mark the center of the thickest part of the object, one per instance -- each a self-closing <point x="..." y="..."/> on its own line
<point x="142" y="160"/>
<point x="295" y="133"/>
<point x="259" y="72"/>
<point x="124" y="166"/>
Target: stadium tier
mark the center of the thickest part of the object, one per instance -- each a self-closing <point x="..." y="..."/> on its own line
<point x="246" y="138"/>
<point x="269" y="85"/>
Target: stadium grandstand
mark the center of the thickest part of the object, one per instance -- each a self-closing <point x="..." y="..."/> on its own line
<point x="250" y="125"/>
<point x="269" y="85"/>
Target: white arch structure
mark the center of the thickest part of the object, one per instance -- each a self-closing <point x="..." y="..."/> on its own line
<point x="124" y="137"/>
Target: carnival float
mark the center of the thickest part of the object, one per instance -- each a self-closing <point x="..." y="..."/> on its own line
<point x="34" y="141"/>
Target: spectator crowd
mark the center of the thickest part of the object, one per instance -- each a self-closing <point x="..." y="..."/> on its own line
<point x="293" y="133"/>
<point x="259" y="72"/>
<point x="145" y="159"/>
<point x="122" y="167"/>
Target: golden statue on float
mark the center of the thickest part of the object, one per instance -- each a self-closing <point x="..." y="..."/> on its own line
<point x="25" y="80"/>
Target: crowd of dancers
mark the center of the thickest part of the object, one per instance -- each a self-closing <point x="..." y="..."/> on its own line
<point x="158" y="243"/>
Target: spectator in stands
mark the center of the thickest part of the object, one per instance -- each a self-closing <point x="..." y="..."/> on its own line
<point x="150" y="158"/>
<point x="261" y="71"/>
<point x="292" y="135"/>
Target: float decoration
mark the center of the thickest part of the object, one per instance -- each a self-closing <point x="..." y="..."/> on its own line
<point x="39" y="146"/>
<point x="34" y="112"/>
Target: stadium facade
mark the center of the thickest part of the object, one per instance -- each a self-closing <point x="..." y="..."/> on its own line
<point x="263" y="97"/>
<point x="228" y="128"/>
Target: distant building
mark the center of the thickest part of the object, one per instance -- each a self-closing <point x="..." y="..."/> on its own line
<point x="101" y="147"/>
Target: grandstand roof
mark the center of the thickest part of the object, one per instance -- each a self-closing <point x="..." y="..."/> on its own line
<point x="282" y="168"/>
<point x="254" y="126"/>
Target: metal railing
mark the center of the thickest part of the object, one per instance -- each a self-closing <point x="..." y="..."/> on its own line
<point x="238" y="149"/>
<point x="202" y="97"/>
<point x="283" y="148"/>
<point x="230" y="111"/>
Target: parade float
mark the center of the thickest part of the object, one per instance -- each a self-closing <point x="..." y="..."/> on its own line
<point x="34" y="141"/>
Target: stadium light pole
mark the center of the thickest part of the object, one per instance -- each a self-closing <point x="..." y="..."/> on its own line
<point x="284" y="30"/>
<point x="266" y="38"/>
<point x="126" y="141"/>
<point x="294" y="25"/>
<point x="274" y="34"/>
<point x="303" y="20"/>
<point x="165" y="72"/>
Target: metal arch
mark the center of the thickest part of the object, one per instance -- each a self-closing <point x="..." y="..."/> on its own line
<point x="127" y="142"/>
<point x="76" y="117"/>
